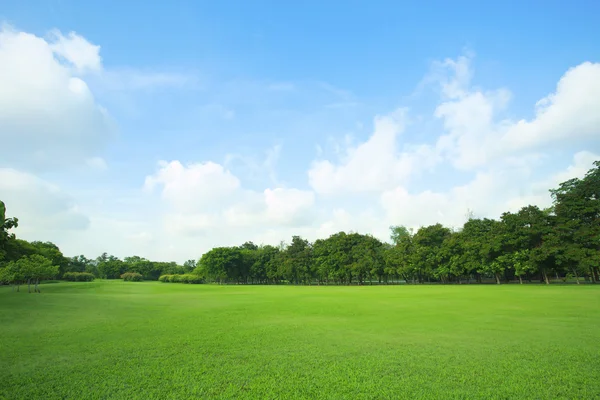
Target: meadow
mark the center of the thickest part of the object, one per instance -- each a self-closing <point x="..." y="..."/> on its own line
<point x="149" y="340"/>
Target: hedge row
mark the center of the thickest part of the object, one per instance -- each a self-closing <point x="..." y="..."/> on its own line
<point x="78" y="276"/>
<point x="132" y="277"/>
<point x="184" y="278"/>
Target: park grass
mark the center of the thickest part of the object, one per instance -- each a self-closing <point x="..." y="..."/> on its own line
<point x="128" y="340"/>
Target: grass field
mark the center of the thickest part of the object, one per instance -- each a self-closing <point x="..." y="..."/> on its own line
<point x="125" y="340"/>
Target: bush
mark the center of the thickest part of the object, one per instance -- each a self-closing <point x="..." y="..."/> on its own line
<point x="182" y="278"/>
<point x="132" y="277"/>
<point x="78" y="276"/>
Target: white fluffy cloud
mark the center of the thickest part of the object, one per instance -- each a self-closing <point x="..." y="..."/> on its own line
<point x="475" y="136"/>
<point x="206" y="196"/>
<point x="48" y="116"/>
<point x="570" y="113"/>
<point x="39" y="205"/>
<point x="76" y="50"/>
<point x="194" y="188"/>
<point x="374" y="165"/>
<point x="489" y="194"/>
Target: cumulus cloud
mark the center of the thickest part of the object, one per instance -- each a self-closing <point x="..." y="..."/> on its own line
<point x="76" y="50"/>
<point x="205" y="196"/>
<point x="373" y="165"/>
<point x="570" y="113"/>
<point x="475" y="135"/>
<point x="48" y="116"/>
<point x="39" y="205"/>
<point x="489" y="194"/>
<point x="193" y="188"/>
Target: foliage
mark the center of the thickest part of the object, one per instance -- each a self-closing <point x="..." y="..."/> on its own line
<point x="182" y="278"/>
<point x="6" y="224"/>
<point x="78" y="276"/>
<point x="28" y="270"/>
<point x="132" y="277"/>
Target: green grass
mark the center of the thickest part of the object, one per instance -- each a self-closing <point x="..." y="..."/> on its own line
<point x="126" y="340"/>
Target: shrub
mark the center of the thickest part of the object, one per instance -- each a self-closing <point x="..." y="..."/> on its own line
<point x="181" y="278"/>
<point x="78" y="276"/>
<point x="192" y="278"/>
<point x="132" y="277"/>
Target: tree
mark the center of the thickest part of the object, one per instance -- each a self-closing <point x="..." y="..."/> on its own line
<point x="6" y="224"/>
<point x="110" y="267"/>
<point x="427" y="249"/>
<point x="220" y="264"/>
<point x="399" y="257"/>
<point x="296" y="262"/>
<point x="399" y="233"/>
<point x="576" y="205"/>
<point x="189" y="266"/>
<point x="78" y="264"/>
<point x="53" y="253"/>
<point x="31" y="269"/>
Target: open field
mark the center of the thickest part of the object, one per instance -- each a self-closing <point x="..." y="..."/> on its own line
<point x="125" y="340"/>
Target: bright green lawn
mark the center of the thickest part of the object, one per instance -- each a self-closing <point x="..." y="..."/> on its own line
<point x="117" y="340"/>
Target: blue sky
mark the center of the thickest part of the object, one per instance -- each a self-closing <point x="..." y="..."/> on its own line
<point x="272" y="119"/>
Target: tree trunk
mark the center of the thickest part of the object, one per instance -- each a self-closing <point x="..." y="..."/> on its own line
<point x="36" y="288"/>
<point x="545" y="277"/>
<point x="520" y="280"/>
<point x="576" y="275"/>
<point x="28" y="285"/>
<point x="497" y="279"/>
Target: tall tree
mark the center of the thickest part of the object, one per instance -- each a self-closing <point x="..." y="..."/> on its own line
<point x="577" y="210"/>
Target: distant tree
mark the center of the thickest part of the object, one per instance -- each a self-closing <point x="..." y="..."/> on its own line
<point x="189" y="266"/>
<point x="398" y="233"/>
<point x="428" y="243"/>
<point x="110" y="267"/>
<point x="221" y="264"/>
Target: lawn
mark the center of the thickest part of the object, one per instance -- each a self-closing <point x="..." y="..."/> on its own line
<point x="127" y="340"/>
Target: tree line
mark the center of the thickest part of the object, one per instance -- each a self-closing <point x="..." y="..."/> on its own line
<point x="532" y="244"/>
<point x="23" y="262"/>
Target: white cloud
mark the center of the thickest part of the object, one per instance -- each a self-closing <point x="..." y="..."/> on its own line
<point x="475" y="135"/>
<point x="40" y="206"/>
<point x="48" y="116"/>
<point x="374" y="165"/>
<point x="570" y="113"/>
<point x="489" y="194"/>
<point x="206" y="196"/>
<point x="193" y="188"/>
<point x="288" y="206"/>
<point x="76" y="50"/>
